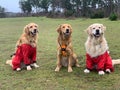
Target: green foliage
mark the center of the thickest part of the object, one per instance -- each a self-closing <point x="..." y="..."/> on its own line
<point x="2" y="15"/>
<point x="78" y="8"/>
<point x="113" y="17"/>
<point x="25" y="6"/>
<point x="45" y="78"/>
<point x="45" y="5"/>
<point x="68" y="13"/>
<point x="98" y="14"/>
<point x="2" y="12"/>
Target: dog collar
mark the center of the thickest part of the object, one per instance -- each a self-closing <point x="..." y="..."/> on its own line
<point x="63" y="50"/>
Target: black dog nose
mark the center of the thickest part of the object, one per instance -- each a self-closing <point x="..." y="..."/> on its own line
<point x="67" y="30"/>
<point x="35" y="30"/>
<point x="97" y="31"/>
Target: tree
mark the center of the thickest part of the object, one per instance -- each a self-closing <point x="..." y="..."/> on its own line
<point x="25" y="6"/>
<point x="36" y="4"/>
<point x="2" y="12"/>
<point x="45" y="5"/>
<point x="68" y="7"/>
<point x="77" y="7"/>
<point x="117" y="6"/>
<point x="84" y="8"/>
<point x="55" y="5"/>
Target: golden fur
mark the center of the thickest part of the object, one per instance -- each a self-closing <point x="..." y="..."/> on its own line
<point x="29" y="36"/>
<point x="65" y="54"/>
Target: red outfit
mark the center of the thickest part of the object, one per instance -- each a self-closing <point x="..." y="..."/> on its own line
<point x="26" y="54"/>
<point x="101" y="62"/>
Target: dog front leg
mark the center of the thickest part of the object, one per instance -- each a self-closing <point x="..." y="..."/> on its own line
<point x="76" y="60"/>
<point x="58" y="63"/>
<point x="70" y="64"/>
<point x="69" y="59"/>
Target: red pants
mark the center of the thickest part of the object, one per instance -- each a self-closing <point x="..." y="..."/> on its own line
<point x="101" y="62"/>
<point x="26" y="54"/>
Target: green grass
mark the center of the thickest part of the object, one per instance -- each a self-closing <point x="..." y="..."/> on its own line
<point x="44" y="78"/>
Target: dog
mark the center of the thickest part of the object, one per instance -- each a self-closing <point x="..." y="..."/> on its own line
<point x="65" y="55"/>
<point x="25" y="50"/>
<point x="97" y="54"/>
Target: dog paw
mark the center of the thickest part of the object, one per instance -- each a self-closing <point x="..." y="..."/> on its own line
<point x="108" y="71"/>
<point x="35" y="65"/>
<point x="70" y="69"/>
<point x="18" y="69"/>
<point x="101" y="72"/>
<point x="29" y="68"/>
<point x="57" y="69"/>
<point x="77" y="65"/>
<point x="86" y="71"/>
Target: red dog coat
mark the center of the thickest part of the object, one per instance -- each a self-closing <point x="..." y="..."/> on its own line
<point x="24" y="53"/>
<point x="101" y="62"/>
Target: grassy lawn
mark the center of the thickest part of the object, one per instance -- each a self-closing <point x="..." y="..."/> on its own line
<point x="44" y="78"/>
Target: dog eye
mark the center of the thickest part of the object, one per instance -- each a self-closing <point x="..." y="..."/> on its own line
<point x="99" y="27"/>
<point x="63" y="26"/>
<point x="30" y="26"/>
<point x="35" y="26"/>
<point x="93" y="28"/>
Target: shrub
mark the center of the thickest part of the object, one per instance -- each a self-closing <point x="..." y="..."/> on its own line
<point x="113" y="17"/>
<point x="68" y="13"/>
<point x="2" y="15"/>
<point x="98" y="14"/>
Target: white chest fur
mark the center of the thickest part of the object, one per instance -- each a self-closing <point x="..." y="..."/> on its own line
<point x="64" y="61"/>
<point x="95" y="50"/>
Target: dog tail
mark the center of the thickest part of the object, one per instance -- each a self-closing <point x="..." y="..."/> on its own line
<point x="116" y="61"/>
<point x="9" y="62"/>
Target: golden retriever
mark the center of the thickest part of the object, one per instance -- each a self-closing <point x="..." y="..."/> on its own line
<point x="28" y="40"/>
<point x="65" y="55"/>
<point x="97" y="55"/>
<point x="29" y="36"/>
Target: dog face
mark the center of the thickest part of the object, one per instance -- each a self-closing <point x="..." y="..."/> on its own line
<point x="31" y="29"/>
<point x="65" y="30"/>
<point x="96" y="30"/>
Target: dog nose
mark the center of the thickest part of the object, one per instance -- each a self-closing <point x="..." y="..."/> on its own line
<point x="35" y="30"/>
<point x="97" y="31"/>
<point x="67" y="30"/>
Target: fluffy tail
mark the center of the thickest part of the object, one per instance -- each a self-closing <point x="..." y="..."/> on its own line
<point x="116" y="61"/>
<point x="9" y="62"/>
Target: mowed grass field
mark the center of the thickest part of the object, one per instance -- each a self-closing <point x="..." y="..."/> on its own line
<point x="45" y="78"/>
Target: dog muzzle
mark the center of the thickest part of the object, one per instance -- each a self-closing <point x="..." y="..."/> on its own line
<point x="34" y="32"/>
<point x="97" y="33"/>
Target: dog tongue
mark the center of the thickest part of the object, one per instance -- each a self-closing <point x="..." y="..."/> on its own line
<point x="96" y="35"/>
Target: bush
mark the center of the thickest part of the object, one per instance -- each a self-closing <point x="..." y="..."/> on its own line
<point x="2" y="15"/>
<point x="98" y="14"/>
<point x="113" y="17"/>
<point x="68" y="13"/>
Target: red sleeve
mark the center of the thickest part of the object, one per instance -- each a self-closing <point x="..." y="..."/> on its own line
<point x="34" y="54"/>
<point x="101" y="62"/>
<point x="89" y="63"/>
<point x="26" y="52"/>
<point x="109" y="62"/>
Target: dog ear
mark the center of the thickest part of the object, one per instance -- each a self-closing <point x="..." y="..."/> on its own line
<point x="59" y="29"/>
<point x="88" y="30"/>
<point x="71" y="28"/>
<point x="26" y="29"/>
<point x="103" y="27"/>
